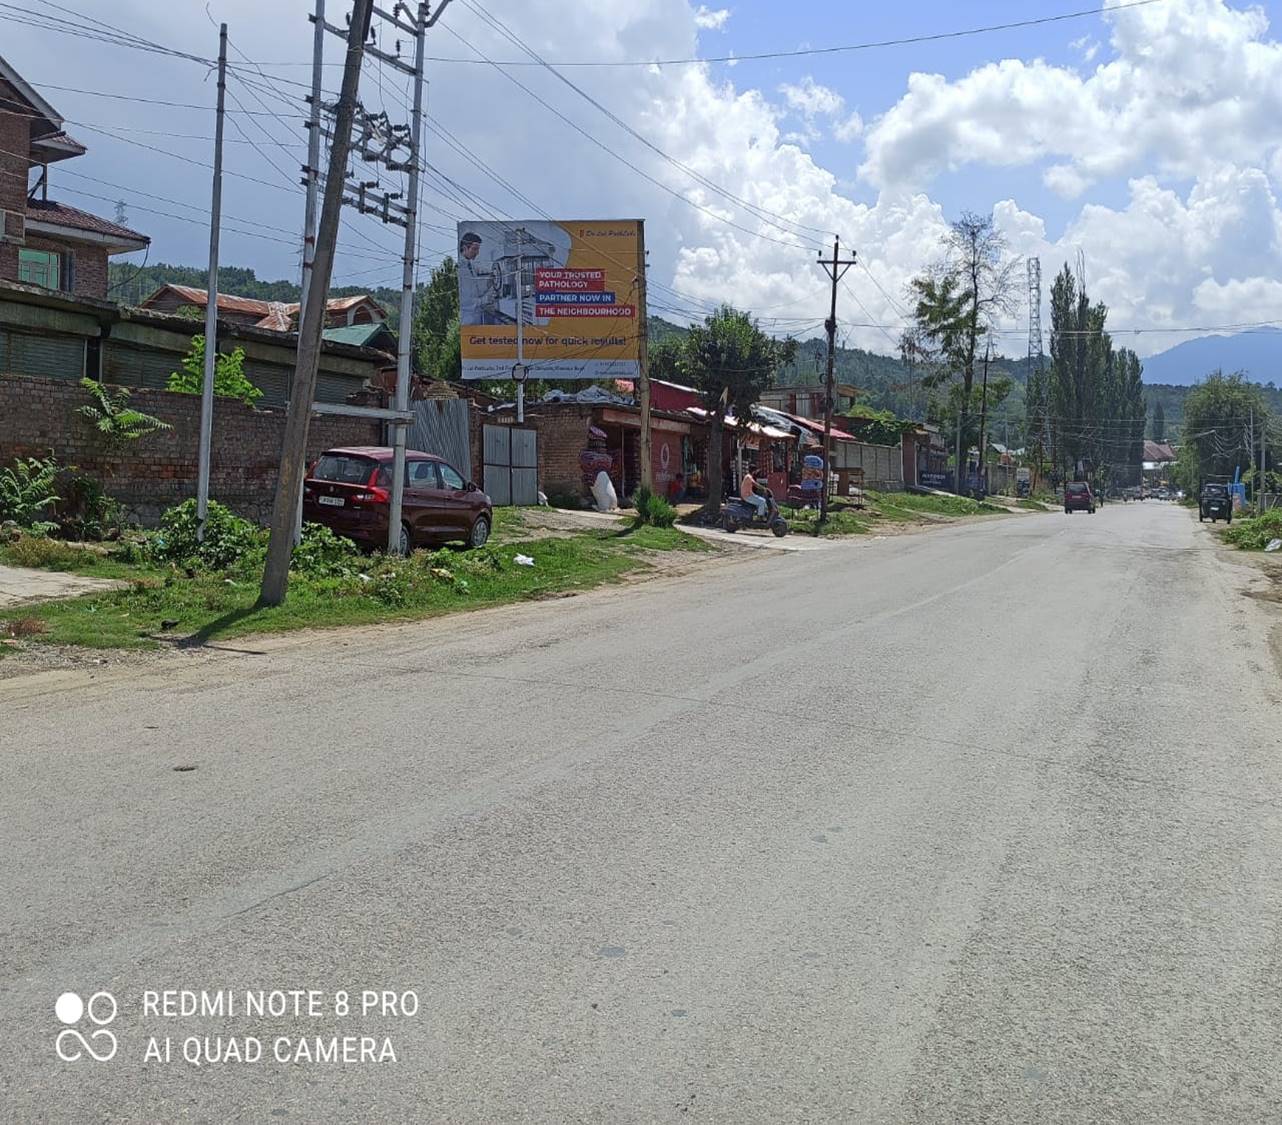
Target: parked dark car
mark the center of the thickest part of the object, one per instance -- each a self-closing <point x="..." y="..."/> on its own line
<point x="1078" y="497"/>
<point x="1215" y="503"/>
<point x="350" y="492"/>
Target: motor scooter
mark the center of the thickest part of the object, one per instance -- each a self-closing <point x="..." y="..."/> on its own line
<point x="737" y="513"/>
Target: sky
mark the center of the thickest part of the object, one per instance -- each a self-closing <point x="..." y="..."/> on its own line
<point x="1148" y="136"/>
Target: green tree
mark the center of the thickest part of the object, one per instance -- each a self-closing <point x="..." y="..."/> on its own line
<point x="230" y="380"/>
<point x="1159" y="422"/>
<point x="956" y="304"/>
<point x="1217" y="416"/>
<point x="436" y="324"/>
<point x="730" y="361"/>
<point x="666" y="359"/>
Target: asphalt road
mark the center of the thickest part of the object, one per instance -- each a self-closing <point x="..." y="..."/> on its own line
<point x="977" y="825"/>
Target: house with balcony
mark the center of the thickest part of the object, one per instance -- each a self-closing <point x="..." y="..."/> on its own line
<point x="45" y="242"/>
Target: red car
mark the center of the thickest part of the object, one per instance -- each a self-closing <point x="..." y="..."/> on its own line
<point x="350" y="492"/>
<point x="1078" y="497"/>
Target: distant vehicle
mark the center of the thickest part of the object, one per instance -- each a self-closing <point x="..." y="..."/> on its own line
<point x="350" y="491"/>
<point x="1078" y="497"/>
<point x="1215" y="503"/>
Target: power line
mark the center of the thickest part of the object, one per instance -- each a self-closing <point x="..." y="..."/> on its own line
<point x="803" y="52"/>
<point x="621" y="158"/>
<point x="772" y="218"/>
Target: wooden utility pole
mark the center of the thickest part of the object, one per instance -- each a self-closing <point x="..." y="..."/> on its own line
<point x="835" y="268"/>
<point x="312" y="322"/>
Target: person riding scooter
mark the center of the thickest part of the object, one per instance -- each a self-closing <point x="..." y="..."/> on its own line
<point x="748" y="493"/>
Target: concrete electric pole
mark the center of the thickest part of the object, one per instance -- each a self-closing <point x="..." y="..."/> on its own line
<point x="211" y="303"/>
<point x="835" y="267"/>
<point x="312" y="322"/>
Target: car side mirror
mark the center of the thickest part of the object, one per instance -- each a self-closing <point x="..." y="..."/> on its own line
<point x="471" y="486"/>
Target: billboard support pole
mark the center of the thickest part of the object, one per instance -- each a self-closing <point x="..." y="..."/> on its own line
<point x="643" y="373"/>
<point x="520" y="329"/>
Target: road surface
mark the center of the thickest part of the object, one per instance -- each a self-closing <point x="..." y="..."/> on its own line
<point x="976" y="825"/>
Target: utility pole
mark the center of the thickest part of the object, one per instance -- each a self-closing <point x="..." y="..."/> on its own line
<point x="211" y="305"/>
<point x="1250" y="454"/>
<point x="519" y="371"/>
<point x="835" y="268"/>
<point x="408" y="270"/>
<point x="643" y="374"/>
<point x="312" y="174"/>
<point x="312" y="321"/>
<point x="983" y="416"/>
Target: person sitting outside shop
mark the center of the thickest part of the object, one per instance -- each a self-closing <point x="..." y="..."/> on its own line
<point x="748" y="492"/>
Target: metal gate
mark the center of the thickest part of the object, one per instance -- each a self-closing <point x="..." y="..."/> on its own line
<point x="511" y="465"/>
<point x="441" y="426"/>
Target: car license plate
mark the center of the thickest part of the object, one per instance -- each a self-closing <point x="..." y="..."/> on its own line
<point x="332" y="501"/>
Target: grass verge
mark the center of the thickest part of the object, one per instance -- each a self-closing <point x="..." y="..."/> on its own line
<point x="1255" y="532"/>
<point x="218" y="605"/>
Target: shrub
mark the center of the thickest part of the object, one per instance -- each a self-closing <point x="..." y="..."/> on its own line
<point x="228" y="538"/>
<point x="84" y="510"/>
<point x="1256" y="533"/>
<point x="230" y="380"/>
<point x="28" y="488"/>
<point x="641" y="500"/>
<point x="41" y="553"/>
<point x="110" y="414"/>
<point x="659" y="513"/>
<point x="323" y="554"/>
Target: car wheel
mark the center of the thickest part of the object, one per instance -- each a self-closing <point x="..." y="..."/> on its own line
<point x="1201" y="518"/>
<point x="1068" y="511"/>
<point x="480" y="533"/>
<point x="403" y="543"/>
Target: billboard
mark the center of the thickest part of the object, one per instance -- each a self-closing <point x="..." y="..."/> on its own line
<point x="578" y="293"/>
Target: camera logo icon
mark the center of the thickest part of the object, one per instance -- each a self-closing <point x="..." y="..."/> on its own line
<point x="72" y="1044"/>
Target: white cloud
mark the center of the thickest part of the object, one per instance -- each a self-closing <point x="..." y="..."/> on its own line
<point x="1086" y="47"/>
<point x="708" y="20"/>
<point x="1194" y="85"/>
<point x="1206" y="108"/>
<point x="851" y="129"/>
<point x="812" y="99"/>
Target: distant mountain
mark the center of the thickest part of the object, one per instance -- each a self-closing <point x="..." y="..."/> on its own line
<point x="1258" y="353"/>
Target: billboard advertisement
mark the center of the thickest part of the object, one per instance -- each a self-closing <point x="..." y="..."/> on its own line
<point x="575" y="287"/>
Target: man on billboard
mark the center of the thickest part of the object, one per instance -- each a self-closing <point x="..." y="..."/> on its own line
<point x="476" y="286"/>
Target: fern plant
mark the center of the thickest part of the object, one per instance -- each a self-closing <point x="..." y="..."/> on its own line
<point x="114" y="419"/>
<point x="27" y="488"/>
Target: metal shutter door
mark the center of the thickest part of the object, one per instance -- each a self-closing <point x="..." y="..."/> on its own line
<point x="50" y="357"/>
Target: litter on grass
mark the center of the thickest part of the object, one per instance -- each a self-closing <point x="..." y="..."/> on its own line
<point x="1274" y="545"/>
<point x="523" y="560"/>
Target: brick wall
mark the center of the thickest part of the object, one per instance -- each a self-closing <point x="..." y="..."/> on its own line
<point x="89" y="273"/>
<point x="15" y="133"/>
<point x="150" y="475"/>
